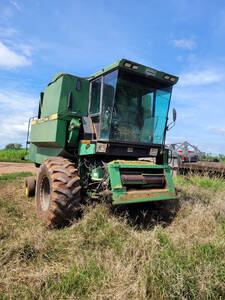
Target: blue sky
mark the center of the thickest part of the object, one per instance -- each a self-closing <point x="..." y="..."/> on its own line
<point x="186" y="38"/>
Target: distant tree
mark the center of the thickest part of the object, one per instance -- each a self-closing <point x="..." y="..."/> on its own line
<point x="210" y="157"/>
<point x="13" y="146"/>
<point x="222" y="157"/>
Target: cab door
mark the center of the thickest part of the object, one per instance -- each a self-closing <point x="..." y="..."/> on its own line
<point x="95" y="104"/>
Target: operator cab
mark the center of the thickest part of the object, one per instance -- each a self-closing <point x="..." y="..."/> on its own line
<point x="129" y="107"/>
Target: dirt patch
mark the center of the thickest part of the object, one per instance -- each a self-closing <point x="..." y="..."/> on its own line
<point x="8" y="167"/>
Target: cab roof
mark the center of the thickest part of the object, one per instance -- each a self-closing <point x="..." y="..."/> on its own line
<point x="138" y="68"/>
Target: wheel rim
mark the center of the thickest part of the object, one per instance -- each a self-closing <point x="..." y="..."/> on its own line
<point x="45" y="194"/>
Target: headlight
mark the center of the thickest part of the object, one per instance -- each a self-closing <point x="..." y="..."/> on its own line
<point x="100" y="147"/>
<point x="153" y="152"/>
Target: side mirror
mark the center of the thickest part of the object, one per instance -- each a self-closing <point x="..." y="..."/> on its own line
<point x="172" y="124"/>
<point x="174" y="115"/>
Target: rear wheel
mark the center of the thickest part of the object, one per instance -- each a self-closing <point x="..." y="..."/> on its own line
<point x="30" y="183"/>
<point x="57" y="191"/>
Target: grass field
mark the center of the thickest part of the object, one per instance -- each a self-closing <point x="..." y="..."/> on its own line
<point x="12" y="155"/>
<point x="167" y="252"/>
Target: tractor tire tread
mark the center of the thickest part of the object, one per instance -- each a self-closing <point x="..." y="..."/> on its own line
<point x="71" y="182"/>
<point x="61" y="170"/>
<point x="61" y="179"/>
<point x="68" y="165"/>
<point x="65" y="191"/>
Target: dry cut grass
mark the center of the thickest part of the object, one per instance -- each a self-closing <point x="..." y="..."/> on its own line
<point x="161" y="251"/>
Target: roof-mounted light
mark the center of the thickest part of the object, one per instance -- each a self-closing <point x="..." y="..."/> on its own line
<point x="172" y="79"/>
<point x="127" y="64"/>
<point x="134" y="67"/>
<point x="167" y="77"/>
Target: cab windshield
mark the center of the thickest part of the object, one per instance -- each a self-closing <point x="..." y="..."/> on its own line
<point x="133" y="108"/>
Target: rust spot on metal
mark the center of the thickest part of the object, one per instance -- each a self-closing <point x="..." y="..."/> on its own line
<point x="145" y="193"/>
<point x="131" y="162"/>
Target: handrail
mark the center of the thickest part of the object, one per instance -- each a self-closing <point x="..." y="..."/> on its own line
<point x="28" y="132"/>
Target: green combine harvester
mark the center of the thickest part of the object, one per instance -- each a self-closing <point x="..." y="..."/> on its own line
<point x="101" y="137"/>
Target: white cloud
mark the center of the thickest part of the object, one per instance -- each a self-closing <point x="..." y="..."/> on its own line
<point x="9" y="59"/>
<point x="15" y="44"/>
<point x="199" y="101"/>
<point x="14" y="3"/>
<point x="26" y="49"/>
<point x="15" y="111"/>
<point x="6" y="32"/>
<point x="201" y="77"/>
<point x="188" y="44"/>
<point x="16" y="129"/>
<point x="16" y="101"/>
<point x="219" y="131"/>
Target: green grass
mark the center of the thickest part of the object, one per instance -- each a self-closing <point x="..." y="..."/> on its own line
<point x="13" y="176"/>
<point x="111" y="255"/>
<point x="214" y="183"/>
<point x="12" y="155"/>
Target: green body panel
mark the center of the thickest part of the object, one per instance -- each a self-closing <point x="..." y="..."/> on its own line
<point x="97" y="174"/>
<point x="50" y="133"/>
<point x="80" y="98"/>
<point x="51" y="99"/>
<point x="119" y="192"/>
<point x="56" y="96"/>
<point x="86" y="149"/>
<point x="39" y="154"/>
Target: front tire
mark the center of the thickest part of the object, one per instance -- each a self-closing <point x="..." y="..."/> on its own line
<point x="57" y="192"/>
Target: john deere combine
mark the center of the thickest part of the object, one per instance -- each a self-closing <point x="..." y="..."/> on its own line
<point x="91" y="135"/>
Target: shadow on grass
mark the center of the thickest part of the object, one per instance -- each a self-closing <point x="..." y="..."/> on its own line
<point x="148" y="215"/>
<point x="138" y="216"/>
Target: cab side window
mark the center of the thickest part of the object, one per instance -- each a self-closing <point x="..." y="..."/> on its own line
<point x="40" y="104"/>
<point x="95" y="96"/>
